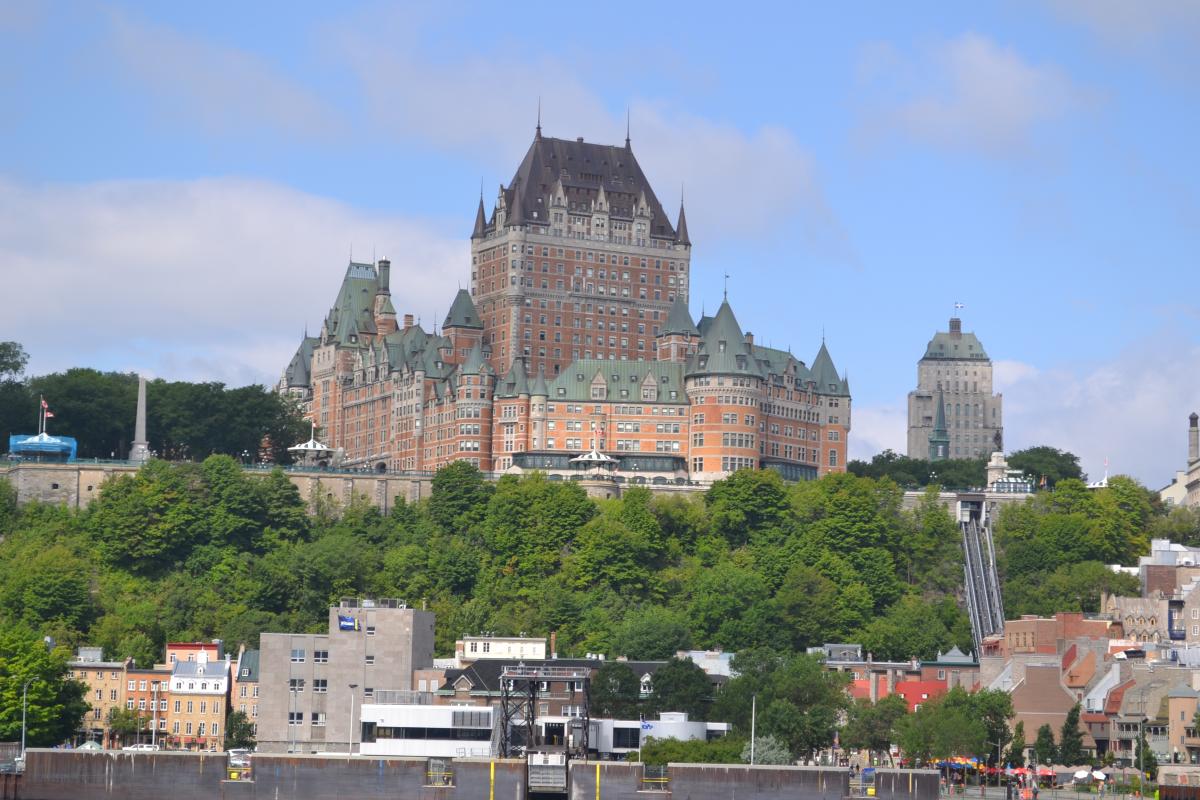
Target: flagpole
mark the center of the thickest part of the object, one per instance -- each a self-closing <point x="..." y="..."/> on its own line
<point x="41" y="414"/>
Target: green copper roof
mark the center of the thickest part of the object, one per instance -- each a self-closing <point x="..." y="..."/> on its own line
<point x="939" y="439"/>
<point x="723" y="348"/>
<point x="353" y="312"/>
<point x="462" y="312"/>
<point x="825" y="375"/>
<point x="515" y="383"/>
<point x="298" y="373"/>
<point x="679" y="319"/>
<point x="954" y="344"/>
<point x="539" y="385"/>
<point x="623" y="381"/>
<point x="476" y="364"/>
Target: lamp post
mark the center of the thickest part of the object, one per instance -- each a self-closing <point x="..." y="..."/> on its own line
<point x="24" y="710"/>
<point x="292" y="718"/>
<point x="153" y="713"/>
<point x="350" y="731"/>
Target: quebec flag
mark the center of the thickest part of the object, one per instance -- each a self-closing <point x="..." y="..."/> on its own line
<point x="347" y="623"/>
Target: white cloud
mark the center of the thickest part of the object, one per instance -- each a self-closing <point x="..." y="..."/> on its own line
<point x="1006" y="373"/>
<point x="221" y="89"/>
<point x="878" y="428"/>
<point x="738" y="182"/>
<point x="967" y="93"/>
<point x="1139" y="25"/>
<point x="203" y="280"/>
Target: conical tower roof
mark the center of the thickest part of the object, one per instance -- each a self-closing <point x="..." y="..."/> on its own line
<point x="825" y="374"/>
<point x="939" y="439"/>
<point x="516" y="382"/>
<point x="681" y="232"/>
<point x="475" y="363"/>
<point x="462" y="312"/>
<point x="480" y="221"/>
<point x="679" y="319"/>
<point x="539" y="385"/>
<point x="723" y="348"/>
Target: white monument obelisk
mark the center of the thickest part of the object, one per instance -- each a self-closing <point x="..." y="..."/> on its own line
<point x="140" y="451"/>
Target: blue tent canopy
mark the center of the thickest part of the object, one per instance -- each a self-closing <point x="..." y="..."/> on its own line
<point x="42" y="446"/>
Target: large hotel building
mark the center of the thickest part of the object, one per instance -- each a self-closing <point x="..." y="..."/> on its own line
<point x="574" y="337"/>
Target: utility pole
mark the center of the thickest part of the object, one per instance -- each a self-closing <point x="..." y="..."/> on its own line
<point x="24" y="709"/>
<point x="154" y="713"/>
<point x="350" y="730"/>
<point x="753" y="720"/>
<point x="292" y="719"/>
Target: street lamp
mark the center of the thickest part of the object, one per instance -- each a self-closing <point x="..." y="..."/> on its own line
<point x="24" y="710"/>
<point x="350" y="732"/>
<point x="153" y="713"/>
<point x="292" y="717"/>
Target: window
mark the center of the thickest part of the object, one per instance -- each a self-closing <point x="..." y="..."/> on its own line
<point x="294" y="685"/>
<point x="318" y="719"/>
<point x="320" y="685"/>
<point x="200" y="730"/>
<point x="177" y="703"/>
<point x="320" y="656"/>
<point x="294" y="718"/>
<point x="188" y="729"/>
<point x="370" y="660"/>
<point x="371" y="628"/>
<point x="833" y="458"/>
<point x="189" y="706"/>
<point x="298" y="656"/>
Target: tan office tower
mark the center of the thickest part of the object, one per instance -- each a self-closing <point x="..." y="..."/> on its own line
<point x="578" y="259"/>
<point x="955" y="368"/>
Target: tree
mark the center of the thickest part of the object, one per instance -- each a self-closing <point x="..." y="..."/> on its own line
<point x="1145" y="759"/>
<point x="458" y="496"/>
<point x="1046" y="462"/>
<point x="1070" y="741"/>
<point x="872" y="726"/>
<point x="651" y="633"/>
<point x="746" y="501"/>
<point x="1044" y="749"/>
<point x="616" y="691"/>
<point x="13" y="359"/>
<point x="126" y="723"/>
<point x="909" y="629"/>
<point x="239" y="731"/>
<point x="769" y="751"/>
<point x="726" y="750"/>
<point x="55" y="703"/>
<point x="1016" y="749"/>
<point x="680" y="685"/>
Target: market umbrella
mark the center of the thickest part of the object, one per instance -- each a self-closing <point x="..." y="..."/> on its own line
<point x="1082" y="775"/>
<point x="1098" y="776"/>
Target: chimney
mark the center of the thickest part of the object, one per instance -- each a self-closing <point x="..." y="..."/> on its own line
<point x="955" y="327"/>
<point x="554" y="644"/>
<point x="408" y="320"/>
<point x="749" y="338"/>
<point x="1194" y="438"/>
<point x="385" y="276"/>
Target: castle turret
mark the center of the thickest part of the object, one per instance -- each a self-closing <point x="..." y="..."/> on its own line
<point x="677" y="340"/>
<point x="462" y="326"/>
<point x="385" y="313"/>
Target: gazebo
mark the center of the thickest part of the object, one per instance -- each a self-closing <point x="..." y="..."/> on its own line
<point x="311" y="452"/>
<point x="595" y="458"/>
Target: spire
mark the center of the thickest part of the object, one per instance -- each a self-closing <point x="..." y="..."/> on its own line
<point x="939" y="439"/>
<point x="539" y="386"/>
<point x="681" y="232"/>
<point x="537" y="137"/>
<point x="141" y="448"/>
<point x="679" y="319"/>
<point x="516" y="214"/>
<point x="480" y="220"/>
<point x="627" y="128"/>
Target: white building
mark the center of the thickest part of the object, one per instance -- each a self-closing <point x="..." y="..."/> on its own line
<point x="506" y="648"/>
<point x="406" y="724"/>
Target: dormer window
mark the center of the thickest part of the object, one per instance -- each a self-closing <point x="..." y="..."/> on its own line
<point x="721" y="346"/>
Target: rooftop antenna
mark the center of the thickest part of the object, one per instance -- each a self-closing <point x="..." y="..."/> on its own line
<point x="726" y="285"/>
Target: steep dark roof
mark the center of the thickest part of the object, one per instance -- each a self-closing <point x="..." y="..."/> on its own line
<point x="826" y="376"/>
<point x="462" y="312"/>
<point x="679" y="319"/>
<point x="681" y="234"/>
<point x="539" y="385"/>
<point x="298" y="371"/>
<point x="723" y="348"/>
<point x="480" y="221"/>
<point x="583" y="168"/>
<point x="247" y="666"/>
<point x="516" y="382"/>
<point x="353" y="312"/>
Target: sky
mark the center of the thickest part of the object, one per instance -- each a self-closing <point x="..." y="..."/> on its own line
<point x="182" y="185"/>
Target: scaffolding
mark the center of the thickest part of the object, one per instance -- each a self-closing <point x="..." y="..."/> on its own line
<point x="521" y="687"/>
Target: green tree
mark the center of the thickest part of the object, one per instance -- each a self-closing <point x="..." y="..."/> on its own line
<point x="13" y="359"/>
<point x="1046" y="462"/>
<point x="127" y="723"/>
<point x="55" y="704"/>
<point x="616" y="691"/>
<point x="651" y="633"/>
<point x="458" y="496"/>
<point x="768" y="751"/>
<point x="911" y="628"/>
<point x="1145" y="759"/>
<point x="239" y="731"/>
<point x="680" y="685"/>
<point x="872" y="726"/>
<point x="609" y="554"/>
<point x="1044" y="749"/>
<point x="746" y="501"/>
<point x="726" y="750"/>
<point x="1016" y="749"/>
<point x="1070" y="742"/>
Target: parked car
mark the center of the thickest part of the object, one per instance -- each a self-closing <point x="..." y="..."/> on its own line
<point x="142" y="747"/>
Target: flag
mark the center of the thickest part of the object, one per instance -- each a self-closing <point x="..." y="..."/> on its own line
<point x="49" y="414"/>
<point x="347" y="623"/>
<point x="44" y="406"/>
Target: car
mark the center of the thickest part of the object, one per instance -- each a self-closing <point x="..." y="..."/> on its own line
<point x="141" y="748"/>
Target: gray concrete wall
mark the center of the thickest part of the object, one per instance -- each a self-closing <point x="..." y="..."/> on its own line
<point x="723" y="781"/>
<point x="906" y="784"/>
<point x="78" y="775"/>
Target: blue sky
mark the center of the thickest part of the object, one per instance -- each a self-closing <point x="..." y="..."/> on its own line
<point x="181" y="185"/>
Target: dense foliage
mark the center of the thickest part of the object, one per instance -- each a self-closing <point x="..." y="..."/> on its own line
<point x="183" y="420"/>
<point x="1045" y="466"/>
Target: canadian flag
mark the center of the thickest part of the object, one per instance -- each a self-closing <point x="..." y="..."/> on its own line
<point x="44" y="406"/>
<point x="49" y="414"/>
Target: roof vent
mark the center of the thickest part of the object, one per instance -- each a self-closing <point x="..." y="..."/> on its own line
<point x="579" y="139"/>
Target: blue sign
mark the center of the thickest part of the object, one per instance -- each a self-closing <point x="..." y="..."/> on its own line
<point x="347" y="623"/>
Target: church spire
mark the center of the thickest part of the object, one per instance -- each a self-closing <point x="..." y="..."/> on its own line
<point x="537" y="137"/>
<point x="939" y="439"/>
<point x="627" y="128"/>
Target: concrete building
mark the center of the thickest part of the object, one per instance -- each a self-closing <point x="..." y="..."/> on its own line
<point x="954" y="386"/>
<point x="199" y="700"/>
<point x="105" y="682"/>
<point x="576" y="336"/>
<point x="311" y="685"/>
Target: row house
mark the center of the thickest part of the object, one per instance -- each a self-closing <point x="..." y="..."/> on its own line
<point x="105" y="691"/>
